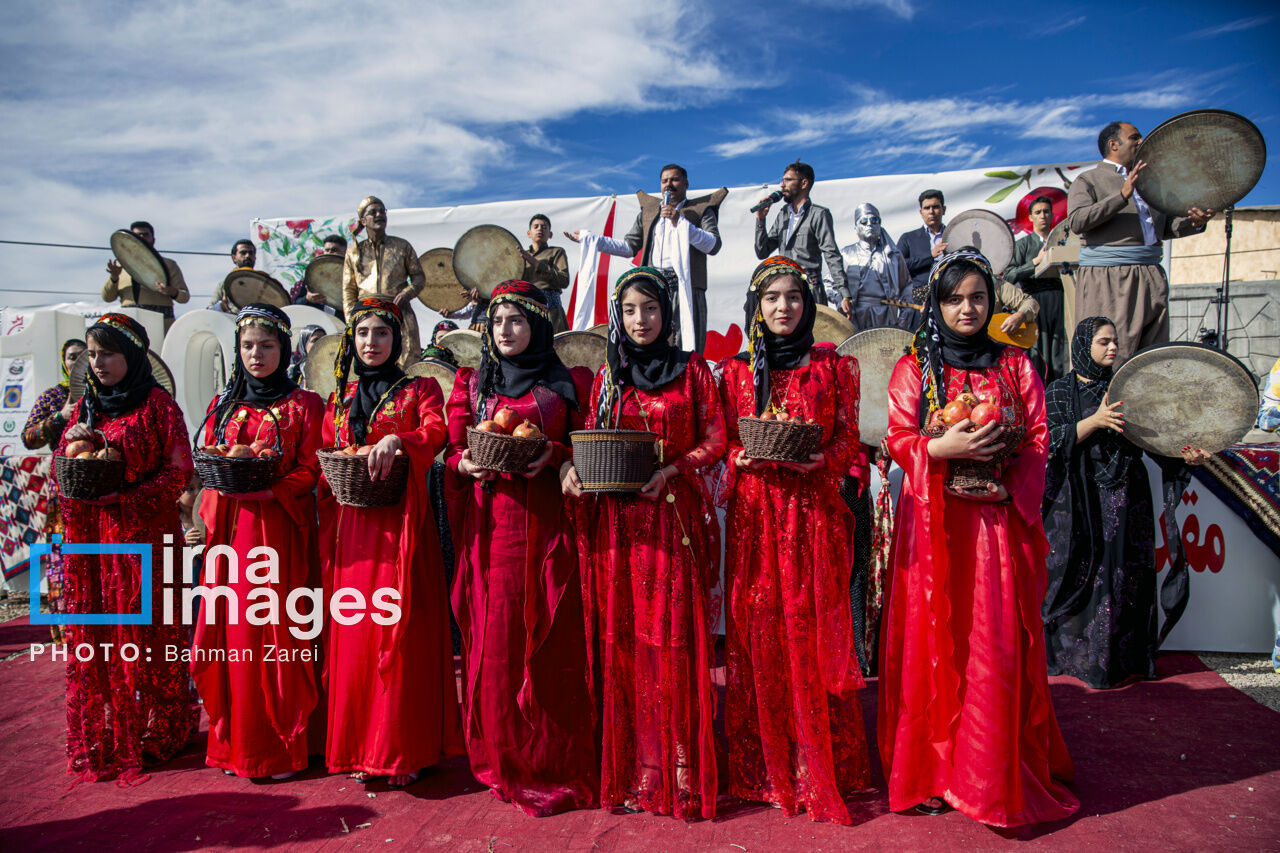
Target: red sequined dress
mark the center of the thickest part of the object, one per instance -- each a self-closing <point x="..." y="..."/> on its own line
<point x="518" y="598"/>
<point x="965" y="712"/>
<point x="259" y="682"/>
<point x="124" y="715"/>
<point x="393" y="701"/>
<point x="647" y="567"/>
<point x="793" y="721"/>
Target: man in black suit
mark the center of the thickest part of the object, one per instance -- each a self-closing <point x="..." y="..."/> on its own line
<point x="922" y="245"/>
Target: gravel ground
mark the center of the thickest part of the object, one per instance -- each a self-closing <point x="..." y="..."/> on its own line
<point x="1249" y="673"/>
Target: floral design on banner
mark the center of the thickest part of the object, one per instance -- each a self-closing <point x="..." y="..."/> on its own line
<point x="286" y="247"/>
<point x="1021" y="221"/>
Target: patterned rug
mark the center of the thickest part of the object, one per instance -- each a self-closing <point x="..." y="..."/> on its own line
<point x="24" y="499"/>
<point x="1246" y="477"/>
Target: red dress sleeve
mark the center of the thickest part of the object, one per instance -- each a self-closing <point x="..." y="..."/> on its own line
<point x="1024" y="478"/>
<point x="843" y="446"/>
<point x="431" y="434"/>
<point x="710" y="419"/>
<point x="460" y="417"/>
<point x="153" y="496"/>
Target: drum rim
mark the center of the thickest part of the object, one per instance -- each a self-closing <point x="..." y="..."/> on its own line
<point x="1262" y="141"/>
<point x="983" y="213"/>
<point x="486" y="226"/>
<point x="451" y="307"/>
<point x="152" y="249"/>
<point x="226" y="285"/>
<point x="1193" y="344"/>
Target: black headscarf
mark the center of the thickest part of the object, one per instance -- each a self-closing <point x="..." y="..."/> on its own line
<point x="1113" y="452"/>
<point x="514" y="376"/>
<point x="765" y="350"/>
<point x="648" y="366"/>
<point x="243" y="386"/>
<point x="374" y="382"/>
<point x="128" y="337"/>
<point x="936" y="344"/>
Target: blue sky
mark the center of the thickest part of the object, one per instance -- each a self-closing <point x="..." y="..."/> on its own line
<point x="200" y="116"/>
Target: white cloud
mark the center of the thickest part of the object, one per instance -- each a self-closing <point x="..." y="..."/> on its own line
<point x="202" y="115"/>
<point x="904" y="9"/>
<point x="1238" y="25"/>
<point x="884" y="127"/>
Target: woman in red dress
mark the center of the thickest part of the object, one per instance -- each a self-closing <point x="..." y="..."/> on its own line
<point x="393" y="702"/>
<point x="517" y="592"/>
<point x="125" y="711"/>
<point x="793" y="720"/>
<point x="965" y="717"/>
<point x="259" y="682"/>
<point x="648" y="561"/>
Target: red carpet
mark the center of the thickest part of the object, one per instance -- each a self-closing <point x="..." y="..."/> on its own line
<point x="1184" y="763"/>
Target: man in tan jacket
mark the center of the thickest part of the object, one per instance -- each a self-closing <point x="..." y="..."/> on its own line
<point x="382" y="265"/>
<point x="1119" y="275"/>
<point x="134" y="294"/>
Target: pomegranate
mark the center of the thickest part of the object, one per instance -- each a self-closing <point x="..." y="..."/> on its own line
<point x="769" y="416"/>
<point x="936" y="422"/>
<point x="109" y="452"/>
<point x="969" y="399"/>
<point x="985" y="413"/>
<point x="954" y="412"/>
<point x="239" y="451"/>
<point x="88" y="454"/>
<point x="75" y="448"/>
<point x="506" y="418"/>
<point x="364" y="450"/>
<point x="489" y="426"/>
<point x="528" y="429"/>
<point x="267" y="453"/>
<point x="258" y="446"/>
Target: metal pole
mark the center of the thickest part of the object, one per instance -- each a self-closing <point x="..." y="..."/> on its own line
<point x="1224" y="293"/>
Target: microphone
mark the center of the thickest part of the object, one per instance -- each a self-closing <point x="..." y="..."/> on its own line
<point x="666" y="197"/>
<point x="773" y="196"/>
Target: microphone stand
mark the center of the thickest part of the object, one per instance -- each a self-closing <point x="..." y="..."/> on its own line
<point x="1223" y="297"/>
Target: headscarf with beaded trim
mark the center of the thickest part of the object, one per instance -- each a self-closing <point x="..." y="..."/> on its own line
<point x="649" y="366"/>
<point x="765" y="350"/>
<point x="513" y="376"/>
<point x="376" y="384"/>
<point x="128" y="337"/>
<point x="244" y="387"/>
<point x="936" y="345"/>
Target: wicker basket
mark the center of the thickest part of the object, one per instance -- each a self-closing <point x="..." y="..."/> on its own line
<point x="970" y="475"/>
<point x="235" y="475"/>
<point x="348" y="477"/>
<point x="613" y="460"/>
<point x="508" y="454"/>
<point x="779" y="441"/>
<point x="88" y="479"/>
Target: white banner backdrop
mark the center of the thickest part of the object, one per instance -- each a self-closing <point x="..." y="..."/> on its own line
<point x="286" y="243"/>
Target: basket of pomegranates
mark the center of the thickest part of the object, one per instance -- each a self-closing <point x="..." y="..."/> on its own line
<point x="614" y="460"/>
<point x="972" y="475"/>
<point x="87" y="472"/>
<point x="237" y="468"/>
<point x="346" y="470"/>
<point x="504" y="443"/>
<point x="779" y="436"/>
